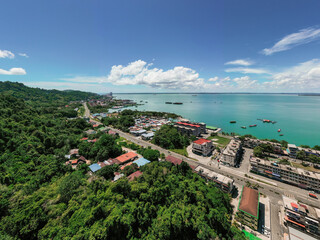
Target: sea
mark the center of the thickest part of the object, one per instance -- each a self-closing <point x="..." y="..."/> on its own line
<point x="298" y="117"/>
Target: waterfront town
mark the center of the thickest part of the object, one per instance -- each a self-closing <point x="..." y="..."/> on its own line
<point x="274" y="194"/>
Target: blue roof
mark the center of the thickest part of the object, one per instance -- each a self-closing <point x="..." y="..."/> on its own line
<point x="141" y="161"/>
<point x="94" y="167"/>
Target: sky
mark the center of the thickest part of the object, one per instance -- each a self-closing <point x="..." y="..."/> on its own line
<point x="162" y="46"/>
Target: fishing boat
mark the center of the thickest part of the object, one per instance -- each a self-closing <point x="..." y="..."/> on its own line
<point x="273" y="122"/>
<point x="266" y="120"/>
<point x="178" y="103"/>
<point x="233" y="121"/>
<point x="254" y="125"/>
<point x="281" y="135"/>
<point x="244" y="127"/>
<point x="168" y="102"/>
<point x="279" y="130"/>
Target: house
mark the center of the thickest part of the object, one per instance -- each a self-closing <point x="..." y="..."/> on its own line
<point x="94" y="167"/>
<point x="111" y="162"/>
<point x="75" y="162"/>
<point x="117" y="176"/>
<point x="141" y="161"/>
<point x="248" y="208"/>
<point x="174" y="160"/>
<point x="90" y="131"/>
<point x="84" y="139"/>
<point x="147" y="136"/>
<point x="232" y="153"/>
<point x="124" y="166"/>
<point x="138" y="132"/>
<point x="202" y="147"/>
<point x="134" y="175"/>
<point x="74" y="152"/>
<point x="110" y="132"/>
<point x="93" y="140"/>
<point x="130" y="156"/>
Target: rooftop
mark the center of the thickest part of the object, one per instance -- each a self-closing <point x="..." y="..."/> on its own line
<point x="174" y="160"/>
<point x="126" y="157"/>
<point x="249" y="201"/>
<point x="134" y="175"/>
<point x="188" y="124"/>
<point x="201" y="141"/>
<point x="94" y="167"/>
<point x="141" y="161"/>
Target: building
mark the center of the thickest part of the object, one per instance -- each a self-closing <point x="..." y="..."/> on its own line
<point x="301" y="216"/>
<point x="147" y="136"/>
<point x="190" y="129"/>
<point x="232" y="153"/>
<point x="141" y="162"/>
<point x="248" y="208"/>
<point x="138" y="132"/>
<point x="285" y="173"/>
<point x="252" y="143"/>
<point x="223" y="182"/>
<point x="90" y="131"/>
<point x="134" y="175"/>
<point x="174" y="160"/>
<point x="127" y="157"/>
<point x="202" y="147"/>
<point x="292" y="150"/>
<point x="94" y="167"/>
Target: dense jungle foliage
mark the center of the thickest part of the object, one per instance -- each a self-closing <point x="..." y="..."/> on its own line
<point x="42" y="198"/>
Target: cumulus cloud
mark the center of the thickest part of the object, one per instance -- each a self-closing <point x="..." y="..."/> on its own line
<point x="214" y="79"/>
<point x="13" y="71"/>
<point x="247" y="70"/>
<point x="23" y="55"/>
<point x="141" y="73"/>
<point x="303" y="77"/>
<point x="6" y="54"/>
<point x="241" y="62"/>
<point x="302" y="37"/>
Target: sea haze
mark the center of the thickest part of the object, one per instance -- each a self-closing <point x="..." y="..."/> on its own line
<point x="296" y="116"/>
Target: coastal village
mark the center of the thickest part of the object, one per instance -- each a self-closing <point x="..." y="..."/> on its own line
<point x="257" y="183"/>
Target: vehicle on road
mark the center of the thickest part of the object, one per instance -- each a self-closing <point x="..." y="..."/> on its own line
<point x="313" y="195"/>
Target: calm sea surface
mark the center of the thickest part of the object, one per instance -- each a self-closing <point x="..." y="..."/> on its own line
<point x="298" y="117"/>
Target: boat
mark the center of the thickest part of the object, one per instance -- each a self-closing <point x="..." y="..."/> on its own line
<point x="273" y="122"/>
<point x="168" y="102"/>
<point x="244" y="127"/>
<point x="266" y="120"/>
<point x="279" y="130"/>
<point x="233" y="121"/>
<point x="178" y="103"/>
<point x="254" y="125"/>
<point x="281" y="135"/>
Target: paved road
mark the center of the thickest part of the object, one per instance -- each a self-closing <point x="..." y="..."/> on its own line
<point x="276" y="230"/>
<point x="86" y="110"/>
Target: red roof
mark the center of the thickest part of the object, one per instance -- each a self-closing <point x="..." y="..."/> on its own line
<point x="126" y="157"/>
<point x="74" y="161"/>
<point x="134" y="175"/>
<point x="83" y="139"/>
<point x="174" y="160"/>
<point x="188" y="124"/>
<point x="249" y="201"/>
<point x="266" y="171"/>
<point x="128" y="164"/>
<point x="201" y="141"/>
<point x="96" y="125"/>
<point x="294" y="205"/>
<point x="287" y="219"/>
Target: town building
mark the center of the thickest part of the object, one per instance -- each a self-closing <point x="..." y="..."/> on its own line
<point x="301" y="216"/>
<point x="94" y="167"/>
<point x="223" y="182"/>
<point x="232" y="153"/>
<point x="190" y="129"/>
<point x="134" y="175"/>
<point x="248" y="208"/>
<point x="202" y="147"/>
<point x="292" y="150"/>
<point x="174" y="160"/>
<point x="252" y="143"/>
<point x="127" y="157"/>
<point x="138" y="132"/>
<point x="147" y="136"/>
<point x="141" y="162"/>
<point x="285" y="173"/>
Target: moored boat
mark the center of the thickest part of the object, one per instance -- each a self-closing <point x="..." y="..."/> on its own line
<point x="233" y="121"/>
<point x="281" y="135"/>
<point x="253" y="125"/>
<point x="279" y="130"/>
<point x="178" y="103"/>
<point x="244" y="127"/>
<point x="168" y="102"/>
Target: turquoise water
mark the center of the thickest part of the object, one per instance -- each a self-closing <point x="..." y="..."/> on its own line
<point x="298" y="117"/>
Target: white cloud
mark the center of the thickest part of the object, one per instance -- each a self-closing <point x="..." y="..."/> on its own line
<point x="13" y="71"/>
<point x="6" y="54"/>
<point x="241" y="62"/>
<point x="214" y="79"/>
<point x="86" y="79"/>
<point x="23" y="55"/>
<point x="247" y="70"/>
<point x="302" y="37"/>
<point x="303" y="77"/>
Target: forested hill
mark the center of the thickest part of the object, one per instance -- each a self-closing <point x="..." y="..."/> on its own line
<point x="19" y="90"/>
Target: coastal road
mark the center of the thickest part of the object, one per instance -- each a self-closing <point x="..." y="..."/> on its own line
<point x="86" y="110"/>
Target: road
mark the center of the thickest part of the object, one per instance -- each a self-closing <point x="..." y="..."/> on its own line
<point x="276" y="230"/>
<point x="86" y="110"/>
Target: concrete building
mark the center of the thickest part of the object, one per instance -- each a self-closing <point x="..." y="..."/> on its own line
<point x="223" y="182"/>
<point x="301" y="216"/>
<point x="127" y="157"/>
<point x="252" y="143"/>
<point x="292" y="150"/>
<point x="248" y="208"/>
<point x="285" y="173"/>
<point x="147" y="136"/>
<point x="232" y="153"/>
<point x="190" y="129"/>
<point x="202" y="147"/>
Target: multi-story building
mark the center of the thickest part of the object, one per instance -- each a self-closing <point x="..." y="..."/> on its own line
<point x="223" y="182"/>
<point x="188" y="128"/>
<point x="296" y="176"/>
<point x="248" y="208"/>
<point x="232" y="153"/>
<point x="252" y="143"/>
<point x="292" y="149"/>
<point x="301" y="216"/>
<point x="202" y="147"/>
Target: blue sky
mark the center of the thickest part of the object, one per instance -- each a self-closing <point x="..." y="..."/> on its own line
<point x="162" y="46"/>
